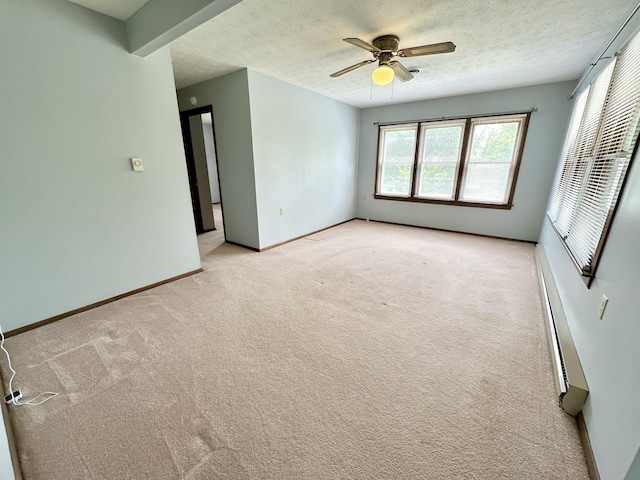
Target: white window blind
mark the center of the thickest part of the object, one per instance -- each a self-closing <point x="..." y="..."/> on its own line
<point x="599" y="148"/>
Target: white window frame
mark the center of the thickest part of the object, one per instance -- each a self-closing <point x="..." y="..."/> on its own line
<point x="381" y="148"/>
<point x="421" y="154"/>
<point x="513" y="164"/>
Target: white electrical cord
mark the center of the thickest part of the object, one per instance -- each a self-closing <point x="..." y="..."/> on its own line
<point x="15" y="400"/>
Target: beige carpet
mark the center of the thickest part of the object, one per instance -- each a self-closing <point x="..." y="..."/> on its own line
<point x="368" y="351"/>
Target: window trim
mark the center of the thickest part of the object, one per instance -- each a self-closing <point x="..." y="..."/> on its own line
<point x="462" y="161"/>
<point x="464" y="123"/>
<point x="413" y="163"/>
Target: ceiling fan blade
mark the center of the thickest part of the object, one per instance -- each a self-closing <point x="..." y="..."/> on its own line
<point x="352" y="67"/>
<point x="401" y="71"/>
<point x="362" y="44"/>
<point x="432" y="49"/>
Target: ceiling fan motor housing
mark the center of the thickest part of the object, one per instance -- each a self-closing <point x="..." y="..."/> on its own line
<point x="389" y="46"/>
<point x="387" y="43"/>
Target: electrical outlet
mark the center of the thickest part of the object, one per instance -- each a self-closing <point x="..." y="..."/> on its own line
<point x="281" y="211"/>
<point x="603" y="304"/>
<point x="15" y="395"/>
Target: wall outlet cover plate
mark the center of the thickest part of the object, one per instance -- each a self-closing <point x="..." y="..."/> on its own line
<point x="137" y="165"/>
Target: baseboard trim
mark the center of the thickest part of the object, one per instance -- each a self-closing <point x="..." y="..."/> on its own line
<point x="590" y="458"/>
<point x="47" y="321"/>
<point x="303" y="236"/>
<point x="264" y="249"/>
<point x="450" y="231"/>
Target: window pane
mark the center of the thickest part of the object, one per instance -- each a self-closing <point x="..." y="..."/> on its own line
<point x="491" y="158"/>
<point x="440" y="151"/>
<point x="493" y="142"/>
<point x="397" y="147"/>
<point x="437" y="180"/>
<point x="396" y="179"/>
<point x="486" y="181"/>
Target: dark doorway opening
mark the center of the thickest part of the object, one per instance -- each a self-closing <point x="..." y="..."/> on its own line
<point x="198" y="134"/>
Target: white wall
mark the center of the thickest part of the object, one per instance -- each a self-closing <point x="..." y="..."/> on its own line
<point x="212" y="163"/>
<point x="540" y="156"/>
<point x="77" y="224"/>
<point x="229" y="96"/>
<point x="305" y="159"/>
<point x="608" y="348"/>
<point x="279" y="146"/>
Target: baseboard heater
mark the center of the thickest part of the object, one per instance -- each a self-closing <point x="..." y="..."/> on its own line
<point x="571" y="384"/>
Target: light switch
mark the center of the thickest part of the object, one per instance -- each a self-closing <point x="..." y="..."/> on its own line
<point x="603" y="304"/>
<point x="136" y="163"/>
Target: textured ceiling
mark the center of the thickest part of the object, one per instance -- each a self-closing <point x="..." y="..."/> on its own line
<point x="501" y="44"/>
<point x="120" y="9"/>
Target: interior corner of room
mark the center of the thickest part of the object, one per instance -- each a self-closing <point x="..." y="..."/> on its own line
<point x="286" y="153"/>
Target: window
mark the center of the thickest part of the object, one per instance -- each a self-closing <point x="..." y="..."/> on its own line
<point x="440" y="147"/>
<point x="460" y="161"/>
<point x="599" y="148"/>
<point x="398" y="150"/>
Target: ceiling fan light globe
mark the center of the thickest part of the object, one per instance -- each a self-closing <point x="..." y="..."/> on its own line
<point x="382" y="75"/>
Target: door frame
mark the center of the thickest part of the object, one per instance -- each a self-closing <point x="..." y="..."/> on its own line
<point x="191" y="167"/>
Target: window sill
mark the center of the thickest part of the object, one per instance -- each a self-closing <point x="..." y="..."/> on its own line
<point x="458" y="203"/>
<point x="587" y="278"/>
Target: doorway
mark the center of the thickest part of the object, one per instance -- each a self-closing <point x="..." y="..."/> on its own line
<point x="202" y="167"/>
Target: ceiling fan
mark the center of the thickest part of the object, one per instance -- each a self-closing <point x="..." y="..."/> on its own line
<point x="384" y="49"/>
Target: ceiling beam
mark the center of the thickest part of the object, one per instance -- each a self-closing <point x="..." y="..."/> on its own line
<point x="159" y="22"/>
